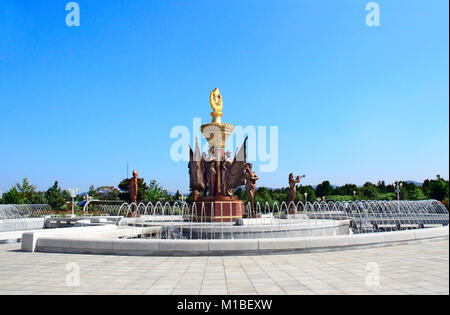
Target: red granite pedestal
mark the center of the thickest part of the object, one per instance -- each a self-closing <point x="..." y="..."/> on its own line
<point x="217" y="209"/>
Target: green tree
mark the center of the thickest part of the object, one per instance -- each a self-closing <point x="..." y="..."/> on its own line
<point x="12" y="196"/>
<point x="324" y="189"/>
<point x="153" y="192"/>
<point x="20" y="193"/>
<point x="156" y="192"/>
<point x="241" y="195"/>
<point x="55" y="197"/>
<point x="404" y="194"/>
<point x="26" y="190"/>
<point x="104" y="192"/>
<point x="309" y="190"/>
<point x="263" y="195"/>
<point x="439" y="189"/>
<point x="338" y="191"/>
<point x="92" y="192"/>
<point x="39" y="198"/>
<point x="177" y="196"/>
<point x="416" y="194"/>
<point x="436" y="189"/>
<point x="368" y="191"/>
<point x="382" y="188"/>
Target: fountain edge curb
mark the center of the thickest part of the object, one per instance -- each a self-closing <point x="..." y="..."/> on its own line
<point x="150" y="247"/>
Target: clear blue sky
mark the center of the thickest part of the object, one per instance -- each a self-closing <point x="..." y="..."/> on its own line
<point x="352" y="103"/>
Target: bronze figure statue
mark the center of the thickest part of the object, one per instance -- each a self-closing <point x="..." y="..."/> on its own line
<point x="250" y="187"/>
<point x="204" y="163"/>
<point x="293" y="191"/>
<point x="211" y="176"/>
<point x="196" y="172"/>
<point x="235" y="176"/>
<point x="133" y="193"/>
<point x="134" y="187"/>
<point x="226" y="165"/>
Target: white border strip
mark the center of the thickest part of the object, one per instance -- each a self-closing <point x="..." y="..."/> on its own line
<point x="152" y="247"/>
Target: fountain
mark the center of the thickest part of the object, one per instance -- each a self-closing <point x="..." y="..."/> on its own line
<point x="216" y="176"/>
<point x="217" y="223"/>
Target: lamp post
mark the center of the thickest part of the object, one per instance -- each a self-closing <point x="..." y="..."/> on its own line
<point x="306" y="197"/>
<point x="73" y="193"/>
<point x="354" y="195"/>
<point x="398" y="188"/>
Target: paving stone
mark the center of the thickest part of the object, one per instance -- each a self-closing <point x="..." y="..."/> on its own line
<point x="407" y="269"/>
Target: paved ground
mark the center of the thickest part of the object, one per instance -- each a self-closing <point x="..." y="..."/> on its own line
<point x="408" y="269"/>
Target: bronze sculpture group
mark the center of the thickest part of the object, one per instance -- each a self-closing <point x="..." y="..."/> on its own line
<point x="204" y="170"/>
<point x="214" y="176"/>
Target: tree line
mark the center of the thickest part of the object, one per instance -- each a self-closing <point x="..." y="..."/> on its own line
<point x="57" y="198"/>
<point x="430" y="189"/>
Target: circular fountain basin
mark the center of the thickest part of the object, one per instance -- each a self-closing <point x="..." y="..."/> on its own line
<point x="263" y="227"/>
<point x="295" y="228"/>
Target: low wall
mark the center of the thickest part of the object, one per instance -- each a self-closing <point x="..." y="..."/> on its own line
<point x="108" y="232"/>
<point x="22" y="224"/>
<point x="153" y="247"/>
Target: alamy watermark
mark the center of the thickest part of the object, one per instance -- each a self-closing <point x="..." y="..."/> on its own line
<point x="73" y="17"/>
<point x="373" y="17"/>
<point x="262" y="144"/>
<point x="73" y="275"/>
<point x="373" y="274"/>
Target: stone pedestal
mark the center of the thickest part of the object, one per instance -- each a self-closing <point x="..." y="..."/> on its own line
<point x="217" y="209"/>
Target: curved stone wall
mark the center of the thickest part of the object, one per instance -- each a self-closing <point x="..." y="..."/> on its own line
<point x="69" y="243"/>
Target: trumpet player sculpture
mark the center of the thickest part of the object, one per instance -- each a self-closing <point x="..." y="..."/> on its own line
<point x="214" y="177"/>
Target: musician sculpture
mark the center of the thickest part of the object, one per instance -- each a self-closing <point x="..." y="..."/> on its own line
<point x="293" y="191"/>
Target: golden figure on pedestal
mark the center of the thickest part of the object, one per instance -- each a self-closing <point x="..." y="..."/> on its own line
<point x="215" y="99"/>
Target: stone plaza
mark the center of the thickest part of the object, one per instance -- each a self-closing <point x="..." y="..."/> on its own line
<point x="418" y="268"/>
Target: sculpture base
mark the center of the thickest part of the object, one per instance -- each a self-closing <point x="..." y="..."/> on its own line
<point x="133" y="215"/>
<point x="217" y="209"/>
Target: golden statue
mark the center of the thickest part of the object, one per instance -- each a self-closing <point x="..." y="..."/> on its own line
<point x="215" y="99"/>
